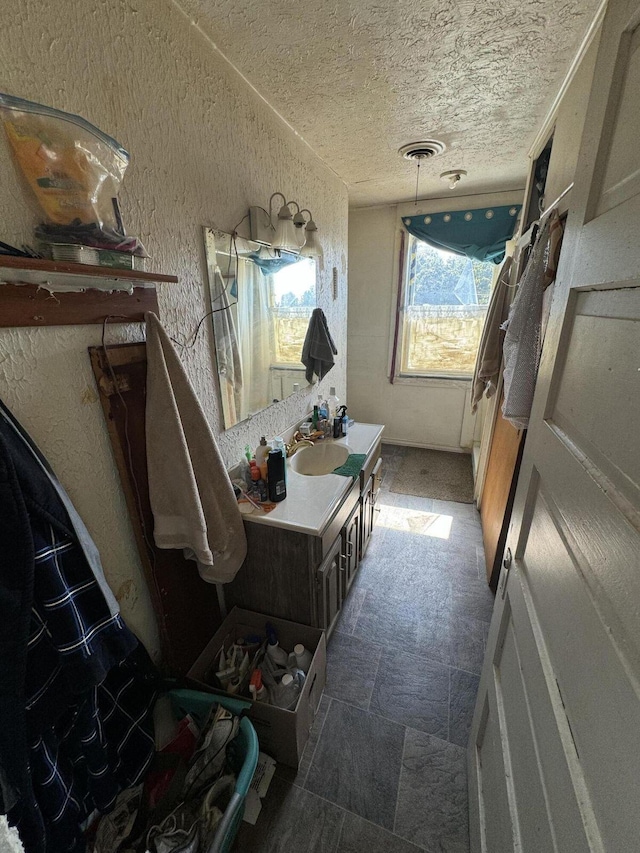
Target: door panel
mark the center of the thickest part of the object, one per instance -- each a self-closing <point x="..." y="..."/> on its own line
<point x="560" y="688"/>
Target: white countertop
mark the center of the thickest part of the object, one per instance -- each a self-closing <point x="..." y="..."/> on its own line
<point x="312" y="501"/>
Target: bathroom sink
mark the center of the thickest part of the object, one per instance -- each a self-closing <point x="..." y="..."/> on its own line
<point x="319" y="459"/>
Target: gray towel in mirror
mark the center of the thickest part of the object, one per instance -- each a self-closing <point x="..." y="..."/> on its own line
<point x="318" y="349"/>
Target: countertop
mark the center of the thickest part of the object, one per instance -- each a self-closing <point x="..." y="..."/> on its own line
<point x="312" y="501"/>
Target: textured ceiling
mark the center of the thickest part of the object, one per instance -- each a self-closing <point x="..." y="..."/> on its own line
<point x="359" y="79"/>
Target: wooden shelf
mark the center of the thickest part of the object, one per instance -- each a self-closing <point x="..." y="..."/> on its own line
<point x="25" y="300"/>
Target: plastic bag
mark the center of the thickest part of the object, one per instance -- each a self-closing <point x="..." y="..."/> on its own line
<point x="73" y="169"/>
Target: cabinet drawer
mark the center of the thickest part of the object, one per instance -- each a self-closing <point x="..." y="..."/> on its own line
<point x="369" y="465"/>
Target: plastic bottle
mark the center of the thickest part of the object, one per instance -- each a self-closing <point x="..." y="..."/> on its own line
<point x="323" y="408"/>
<point x="315" y="417"/>
<point x="262" y="490"/>
<point x="332" y="403"/>
<point x="303" y="657"/>
<point x="277" y="655"/>
<point x="344" y="420"/>
<point x="278" y="444"/>
<point x="276" y="477"/>
<point x="261" y="451"/>
<point x="254" y="471"/>
<point x="256" y="687"/>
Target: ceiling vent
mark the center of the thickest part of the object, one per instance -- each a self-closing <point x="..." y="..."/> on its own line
<point x="419" y="151"/>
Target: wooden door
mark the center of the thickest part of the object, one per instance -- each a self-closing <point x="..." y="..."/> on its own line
<point x="498" y="492"/>
<point x="554" y="761"/>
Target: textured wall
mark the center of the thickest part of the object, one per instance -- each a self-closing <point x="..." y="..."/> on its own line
<point x="423" y="412"/>
<point x="204" y="147"/>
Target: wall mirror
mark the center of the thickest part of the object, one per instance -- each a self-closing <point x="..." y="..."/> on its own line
<point x="262" y="305"/>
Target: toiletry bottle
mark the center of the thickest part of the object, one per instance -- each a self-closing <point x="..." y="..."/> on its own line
<point x="275" y="472"/>
<point x="323" y="409"/>
<point x="254" y="471"/>
<point x="315" y="417"/>
<point x="332" y="403"/>
<point x="344" y="421"/>
<point x="262" y="489"/>
<point x="337" y="426"/>
<point x="261" y="451"/>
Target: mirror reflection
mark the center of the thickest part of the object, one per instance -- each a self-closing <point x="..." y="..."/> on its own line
<point x="261" y="308"/>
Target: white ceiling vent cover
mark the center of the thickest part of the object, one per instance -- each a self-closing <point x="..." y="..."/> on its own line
<point x="422" y="150"/>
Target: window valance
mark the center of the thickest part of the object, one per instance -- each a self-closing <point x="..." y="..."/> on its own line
<point x="479" y="234"/>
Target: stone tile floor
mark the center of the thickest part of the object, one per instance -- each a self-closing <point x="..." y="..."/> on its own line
<point x="385" y="766"/>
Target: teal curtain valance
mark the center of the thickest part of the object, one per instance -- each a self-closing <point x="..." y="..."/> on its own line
<point x="479" y="234"/>
<point x="272" y="265"/>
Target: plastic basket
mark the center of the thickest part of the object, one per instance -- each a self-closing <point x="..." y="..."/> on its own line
<point x="243" y="756"/>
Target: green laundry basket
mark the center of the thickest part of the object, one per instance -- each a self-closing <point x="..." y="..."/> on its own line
<point x="243" y="755"/>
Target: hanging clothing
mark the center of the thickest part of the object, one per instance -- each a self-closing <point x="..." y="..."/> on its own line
<point x="64" y="649"/>
<point x="192" y="499"/>
<point x="318" y="349"/>
<point x="487" y="369"/>
<point x="523" y="339"/>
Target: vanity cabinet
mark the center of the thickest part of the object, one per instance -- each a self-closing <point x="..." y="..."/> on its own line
<point x="305" y="577"/>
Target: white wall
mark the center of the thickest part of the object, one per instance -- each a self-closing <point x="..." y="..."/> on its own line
<point x="204" y="147"/>
<point x="420" y="412"/>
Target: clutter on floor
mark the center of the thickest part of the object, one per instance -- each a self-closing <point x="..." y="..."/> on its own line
<point x="279" y="666"/>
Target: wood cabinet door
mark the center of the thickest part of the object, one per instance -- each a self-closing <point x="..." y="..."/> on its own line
<point x="351" y="547"/>
<point x="366" y="521"/>
<point x="329" y="584"/>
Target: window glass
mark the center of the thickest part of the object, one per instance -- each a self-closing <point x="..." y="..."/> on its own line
<point x="293" y="294"/>
<point x="445" y="303"/>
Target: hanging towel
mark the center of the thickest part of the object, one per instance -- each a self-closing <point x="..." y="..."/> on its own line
<point x="490" y="350"/>
<point x="318" y="349"/>
<point x="191" y="496"/>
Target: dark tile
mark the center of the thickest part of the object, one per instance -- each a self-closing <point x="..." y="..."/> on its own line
<point x="472" y="598"/>
<point x="360" y="836"/>
<point x="432" y="800"/>
<point x="467" y="642"/>
<point x="352" y="664"/>
<point x="298" y="776"/>
<point x="291" y="819"/>
<point x="462" y="699"/>
<point x="413" y="691"/>
<point x="357" y="763"/>
<point x="351" y="607"/>
<point x="408" y="620"/>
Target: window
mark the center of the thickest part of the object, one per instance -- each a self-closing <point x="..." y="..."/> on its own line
<point x="293" y="298"/>
<point x="442" y="311"/>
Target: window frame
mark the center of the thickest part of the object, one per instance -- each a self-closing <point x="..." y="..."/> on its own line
<point x="398" y="324"/>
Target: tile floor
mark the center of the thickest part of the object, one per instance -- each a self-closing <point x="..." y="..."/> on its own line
<point x="385" y="768"/>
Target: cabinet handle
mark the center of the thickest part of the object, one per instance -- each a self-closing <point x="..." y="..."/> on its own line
<point x="343" y="560"/>
<point x="349" y="551"/>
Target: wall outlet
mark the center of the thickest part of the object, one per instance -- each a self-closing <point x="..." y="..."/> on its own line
<point x="335" y="283"/>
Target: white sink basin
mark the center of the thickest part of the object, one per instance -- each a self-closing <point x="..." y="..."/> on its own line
<point x="320" y="459"/>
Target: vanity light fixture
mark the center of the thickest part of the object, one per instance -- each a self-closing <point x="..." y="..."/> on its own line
<point x="289" y="233"/>
<point x="312" y="247"/>
<point x="453" y="177"/>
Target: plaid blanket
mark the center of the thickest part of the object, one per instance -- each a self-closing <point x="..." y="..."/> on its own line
<point x="76" y="688"/>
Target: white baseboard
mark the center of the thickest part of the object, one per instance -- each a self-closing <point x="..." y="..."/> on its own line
<point x="389" y="440"/>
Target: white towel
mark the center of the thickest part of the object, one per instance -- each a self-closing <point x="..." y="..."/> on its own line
<point x="191" y="496"/>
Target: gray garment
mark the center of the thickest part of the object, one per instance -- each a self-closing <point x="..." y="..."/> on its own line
<point x="318" y="349"/>
<point x="485" y="378"/>
<point x="85" y="541"/>
<point x="523" y="340"/>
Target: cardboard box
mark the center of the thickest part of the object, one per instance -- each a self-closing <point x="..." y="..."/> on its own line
<point x="282" y="734"/>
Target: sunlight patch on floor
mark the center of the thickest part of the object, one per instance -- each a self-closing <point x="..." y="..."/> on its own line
<point x="412" y="521"/>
